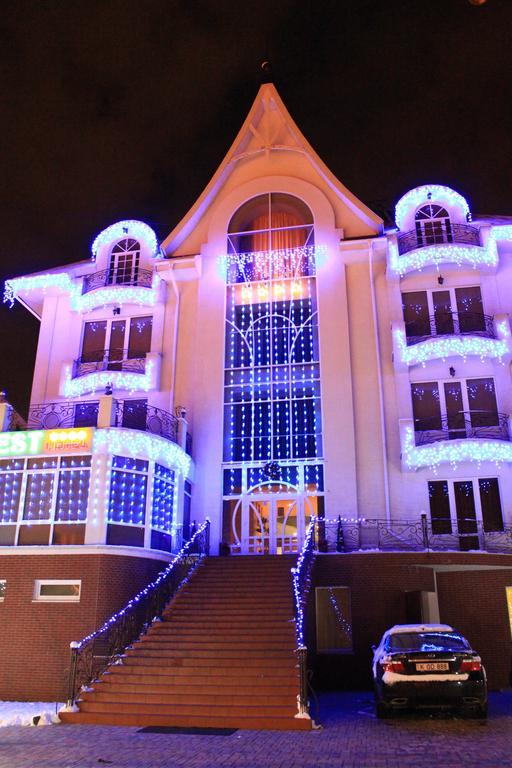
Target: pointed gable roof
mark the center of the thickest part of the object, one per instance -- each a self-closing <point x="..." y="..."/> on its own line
<point x="268" y="127"/>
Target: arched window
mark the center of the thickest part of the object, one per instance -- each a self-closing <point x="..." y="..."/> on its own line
<point x="270" y="222"/>
<point x="433" y="225"/>
<point x="124" y="262"/>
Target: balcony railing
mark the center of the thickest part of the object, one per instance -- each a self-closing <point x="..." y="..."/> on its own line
<point x="450" y="324"/>
<point x="142" y="278"/>
<point x="63" y="415"/>
<point x="454" y="233"/>
<point x="481" y="425"/>
<point x="136" y="414"/>
<point x="109" y="360"/>
<point x="437" y="535"/>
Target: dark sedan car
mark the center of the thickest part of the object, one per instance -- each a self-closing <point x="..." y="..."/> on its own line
<point x="428" y="665"/>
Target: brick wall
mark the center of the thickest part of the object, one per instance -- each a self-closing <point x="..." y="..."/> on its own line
<point x="474" y="602"/>
<point x="35" y="636"/>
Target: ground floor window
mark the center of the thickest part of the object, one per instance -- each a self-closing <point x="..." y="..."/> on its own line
<point x="463" y="507"/>
<point x="333" y="620"/>
<point x="57" y="591"/>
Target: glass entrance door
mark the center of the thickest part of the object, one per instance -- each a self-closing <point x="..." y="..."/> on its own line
<point x="273" y="525"/>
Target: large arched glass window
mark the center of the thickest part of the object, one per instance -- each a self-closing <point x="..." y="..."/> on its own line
<point x="433" y="225"/>
<point x="272" y="368"/>
<point x="124" y="262"/>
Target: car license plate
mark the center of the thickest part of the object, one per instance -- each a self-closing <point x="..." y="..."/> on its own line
<point x="433" y="666"/>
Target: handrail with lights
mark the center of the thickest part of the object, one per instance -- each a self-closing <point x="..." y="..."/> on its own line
<point x="301" y="579"/>
<point x="106" y="645"/>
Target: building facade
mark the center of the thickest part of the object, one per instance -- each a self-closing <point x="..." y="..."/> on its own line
<point x="325" y="364"/>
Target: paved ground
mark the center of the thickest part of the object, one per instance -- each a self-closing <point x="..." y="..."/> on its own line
<point x="351" y="738"/>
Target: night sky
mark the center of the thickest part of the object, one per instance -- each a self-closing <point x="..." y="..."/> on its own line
<point x="116" y="109"/>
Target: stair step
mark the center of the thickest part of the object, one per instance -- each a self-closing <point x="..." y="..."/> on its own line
<point x="196" y="675"/>
<point x="214" y="644"/>
<point x="138" y="708"/>
<point x="240" y="662"/>
<point x="189" y="652"/>
<point x="191" y="698"/>
<point x="255" y="722"/>
<point x="147" y="684"/>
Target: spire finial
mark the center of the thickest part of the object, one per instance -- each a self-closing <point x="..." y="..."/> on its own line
<point x="266" y="72"/>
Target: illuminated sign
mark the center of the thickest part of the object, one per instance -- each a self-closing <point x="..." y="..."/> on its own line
<point x="43" y="442"/>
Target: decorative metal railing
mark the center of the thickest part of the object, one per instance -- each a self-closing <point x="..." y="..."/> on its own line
<point x="480" y="425"/>
<point x="450" y="324"/>
<point x="60" y="415"/>
<point x="16" y="422"/>
<point x="301" y="578"/>
<point x="142" y="278"/>
<point x="109" y="360"/>
<point x="134" y="414"/>
<point x="420" y="535"/>
<point x="454" y="233"/>
<point x="94" y="653"/>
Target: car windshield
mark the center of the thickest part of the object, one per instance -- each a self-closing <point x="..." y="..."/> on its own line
<point x="427" y="641"/>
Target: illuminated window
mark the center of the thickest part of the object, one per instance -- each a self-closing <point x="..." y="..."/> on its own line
<point x="3" y="588"/>
<point x="272" y="372"/>
<point x="128" y="489"/>
<point x="111" y="344"/>
<point x="57" y="591"/>
<point x="463" y="507"/>
<point x="124" y="262"/>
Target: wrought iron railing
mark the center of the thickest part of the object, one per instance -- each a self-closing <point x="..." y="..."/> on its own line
<point x="423" y="534"/>
<point x="136" y="414"/>
<point x="480" y="425"/>
<point x="142" y="278"/>
<point x="454" y="233"/>
<point x="450" y="324"/>
<point x="16" y="422"/>
<point x="301" y="578"/>
<point x="109" y="360"/>
<point x="94" y="653"/>
<point x="60" y="415"/>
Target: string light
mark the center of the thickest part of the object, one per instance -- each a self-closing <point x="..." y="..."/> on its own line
<point x="126" y="380"/>
<point x="187" y="547"/>
<point x="434" y="192"/>
<point x="121" y="229"/>
<point x="441" y="347"/>
<point x="452" y="452"/>
<point x="141" y="444"/>
<point x="63" y="283"/>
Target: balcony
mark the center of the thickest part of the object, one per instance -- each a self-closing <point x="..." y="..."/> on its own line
<point x="128" y="414"/>
<point x="475" y="437"/>
<point x="109" y="360"/>
<point x="464" y="425"/>
<point x="451" y="334"/>
<point x="450" y="324"/>
<point x="143" y="278"/>
<point x="463" y="234"/>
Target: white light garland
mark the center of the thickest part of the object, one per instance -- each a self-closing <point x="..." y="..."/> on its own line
<point x="62" y="282"/>
<point x="435" y="193"/>
<point x="127" y="228"/>
<point x="434" y="255"/>
<point x="453" y="451"/>
<point x="92" y="382"/>
<point x="128" y="442"/>
<point x="441" y="347"/>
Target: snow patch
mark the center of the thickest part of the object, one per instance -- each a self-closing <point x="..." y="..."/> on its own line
<point x="32" y="713"/>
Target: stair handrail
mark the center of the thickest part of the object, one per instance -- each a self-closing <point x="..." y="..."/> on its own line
<point x="133" y="620"/>
<point x="301" y="578"/>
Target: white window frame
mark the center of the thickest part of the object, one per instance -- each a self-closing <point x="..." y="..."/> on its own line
<point x="453" y="301"/>
<point x="464" y="390"/>
<point x="38" y="598"/>
<point x="108" y="332"/>
<point x="476" y="497"/>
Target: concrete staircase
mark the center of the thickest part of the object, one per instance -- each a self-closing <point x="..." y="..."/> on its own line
<point x="223" y="656"/>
